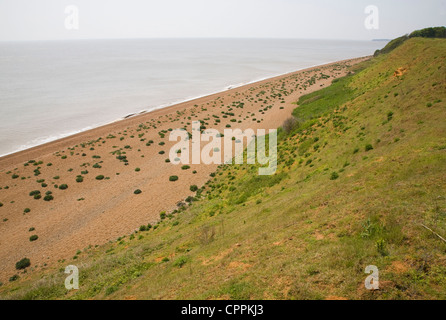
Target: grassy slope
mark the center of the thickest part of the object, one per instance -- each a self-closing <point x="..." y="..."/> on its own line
<point x="299" y="234"/>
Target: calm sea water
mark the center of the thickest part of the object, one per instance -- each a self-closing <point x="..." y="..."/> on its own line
<point x="49" y="90"/>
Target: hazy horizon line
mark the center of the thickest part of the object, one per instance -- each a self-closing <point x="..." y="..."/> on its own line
<point x="195" y="38"/>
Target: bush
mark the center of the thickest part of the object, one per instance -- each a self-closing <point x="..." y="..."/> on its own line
<point x="290" y="124"/>
<point x="173" y="178"/>
<point x="143" y="228"/>
<point x="63" y="187"/>
<point x="27" y="210"/>
<point x="100" y="177"/>
<point x="1" y="204"/>
<point x="23" y="264"/>
<point x="14" y="278"/>
<point x="186" y="167"/>
<point x="137" y="191"/>
<point x="33" y="238"/>
<point x="193" y="188"/>
<point x="48" y="197"/>
<point x="33" y="193"/>
<point x="368" y="147"/>
<point x="79" y="179"/>
<point x="334" y="176"/>
<point x="180" y="262"/>
<point x="137" y="169"/>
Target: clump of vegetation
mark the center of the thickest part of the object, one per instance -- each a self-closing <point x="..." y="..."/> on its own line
<point x="100" y="177"/>
<point x="33" y="238"/>
<point x="193" y="188"/>
<point x="63" y="187"/>
<point x="368" y="147"/>
<point x="23" y="264"/>
<point x="137" y="191"/>
<point x="173" y="178"/>
<point x="180" y="262"/>
<point x="334" y="175"/>
<point x="48" y="197"/>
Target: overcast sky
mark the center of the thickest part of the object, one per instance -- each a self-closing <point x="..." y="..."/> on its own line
<point x="320" y="19"/>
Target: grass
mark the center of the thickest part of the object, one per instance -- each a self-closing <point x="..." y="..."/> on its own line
<point x="298" y="234"/>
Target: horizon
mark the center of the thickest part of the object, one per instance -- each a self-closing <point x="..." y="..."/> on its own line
<point x="196" y="38"/>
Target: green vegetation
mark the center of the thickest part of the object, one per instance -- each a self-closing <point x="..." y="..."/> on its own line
<point x="297" y="234"/>
<point x="436" y="32"/>
<point x="23" y="264"/>
<point x="173" y="178"/>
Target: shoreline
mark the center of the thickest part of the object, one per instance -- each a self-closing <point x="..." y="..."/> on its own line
<point x="166" y="106"/>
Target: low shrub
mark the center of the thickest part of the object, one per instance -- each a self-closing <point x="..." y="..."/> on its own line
<point x="173" y="178"/>
<point x="33" y="238"/>
<point x="23" y="264"/>
<point x="33" y="193"/>
<point x="334" y="176"/>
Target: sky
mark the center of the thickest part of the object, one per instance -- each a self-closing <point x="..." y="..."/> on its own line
<point x="308" y="19"/>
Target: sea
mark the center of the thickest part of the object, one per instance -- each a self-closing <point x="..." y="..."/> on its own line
<point x="53" y="89"/>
